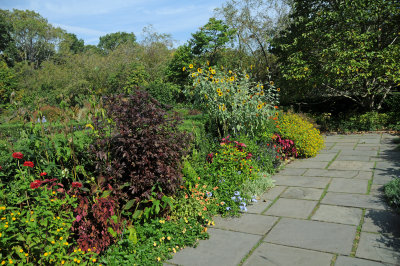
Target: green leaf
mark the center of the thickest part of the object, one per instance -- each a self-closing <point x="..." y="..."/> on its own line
<point x="112" y="232"/>
<point x="132" y="234"/>
<point x="129" y="204"/>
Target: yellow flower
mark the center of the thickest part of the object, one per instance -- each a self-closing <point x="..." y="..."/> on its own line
<point x="6" y="226"/>
<point x="3" y="218"/>
<point x="78" y="261"/>
<point x="213" y="71"/>
<point x="54" y="192"/>
<point x="232" y="78"/>
<point x="247" y="76"/>
<point x="271" y="82"/>
<point x="53" y="242"/>
<point x="3" y="262"/>
<point x="10" y="261"/>
<point x="191" y="66"/>
<point x="278" y="89"/>
<point x="89" y="249"/>
<point x="21" y="250"/>
<point x="220" y="93"/>
<point x="184" y="68"/>
<point x="174" y="250"/>
<point x="259" y="106"/>
<point x="26" y="254"/>
<point x="66" y="243"/>
<point x="223" y="108"/>
<point x="199" y="70"/>
<point x="168" y="237"/>
<point x="94" y="260"/>
<point x="155" y="244"/>
<point x="61" y="238"/>
<point x="46" y="254"/>
<point x="62" y="262"/>
<point x="262" y="93"/>
<point x="75" y="259"/>
<point x="158" y="258"/>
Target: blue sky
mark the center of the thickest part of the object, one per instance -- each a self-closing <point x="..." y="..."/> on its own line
<point x="90" y="19"/>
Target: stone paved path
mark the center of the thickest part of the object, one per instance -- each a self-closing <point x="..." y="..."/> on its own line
<point x="327" y="210"/>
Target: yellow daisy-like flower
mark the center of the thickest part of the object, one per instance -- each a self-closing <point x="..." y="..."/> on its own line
<point x="13" y="219"/>
<point x="278" y="89"/>
<point x="94" y="260"/>
<point x="271" y="82"/>
<point x="220" y="93"/>
<point x="218" y="89"/>
<point x="191" y="66"/>
<point x="10" y="261"/>
<point x="53" y="242"/>
<point x="26" y="254"/>
<point x="199" y="70"/>
<point x="210" y="68"/>
<point x="61" y="238"/>
<point x="259" y="106"/>
<point x="3" y="262"/>
<point x="155" y="244"/>
<point x="78" y="261"/>
<point x="21" y="250"/>
<point x="183" y="68"/>
<point x="158" y="258"/>
<point x="89" y="249"/>
<point x="213" y="71"/>
<point x="232" y="78"/>
<point x="223" y="108"/>
<point x="168" y="237"/>
<point x="262" y="93"/>
<point x="208" y="63"/>
<point x="247" y="76"/>
<point x="46" y="254"/>
<point x="1" y="234"/>
<point x="62" y="262"/>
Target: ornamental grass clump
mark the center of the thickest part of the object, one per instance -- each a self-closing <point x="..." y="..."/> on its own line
<point x="306" y="137"/>
<point x="232" y="101"/>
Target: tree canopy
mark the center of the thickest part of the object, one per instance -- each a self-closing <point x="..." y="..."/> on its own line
<point x="346" y="48"/>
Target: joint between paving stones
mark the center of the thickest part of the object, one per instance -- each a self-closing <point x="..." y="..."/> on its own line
<point x="258" y="243"/>
<point x="358" y="233"/>
<point x="320" y="199"/>
<point x="331" y="161"/>
<point x="275" y="200"/>
<point x="334" y="258"/>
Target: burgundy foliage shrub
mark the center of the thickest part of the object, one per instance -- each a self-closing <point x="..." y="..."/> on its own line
<point x="140" y="149"/>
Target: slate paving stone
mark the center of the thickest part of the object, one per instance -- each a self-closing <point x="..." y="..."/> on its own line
<point x="361" y="148"/>
<point x="247" y="223"/>
<point x="348" y="185"/>
<point x="259" y="207"/>
<point x="377" y="190"/>
<point x="301" y="181"/>
<point x="359" y="153"/>
<point x="353" y="158"/>
<point x="223" y="248"/>
<point x="352" y="165"/>
<point x="382" y="177"/>
<point x="379" y="247"/>
<point x="354" y="200"/>
<point x="331" y="173"/>
<point x="293" y="208"/>
<point x="292" y="171"/>
<point x="370" y="140"/>
<point x="275" y="255"/>
<point x="304" y="164"/>
<point x="322" y="158"/>
<point x="314" y="235"/>
<point x="272" y="193"/>
<point x="367" y="175"/>
<point x="349" y="261"/>
<point x="338" y="214"/>
<point x="302" y="193"/>
<point x="382" y="221"/>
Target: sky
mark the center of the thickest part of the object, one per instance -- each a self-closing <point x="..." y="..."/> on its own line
<point x="90" y="19"/>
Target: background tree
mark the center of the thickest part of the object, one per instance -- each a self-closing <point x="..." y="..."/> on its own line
<point x="211" y="39"/>
<point x="35" y="39"/>
<point x="347" y="49"/>
<point x="111" y="41"/>
<point x="256" y="22"/>
<point x="71" y="44"/>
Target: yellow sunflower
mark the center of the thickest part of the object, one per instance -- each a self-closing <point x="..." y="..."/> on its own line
<point x="199" y="70"/>
<point x="232" y="78"/>
<point x="259" y="106"/>
<point x="191" y="66"/>
<point x="220" y="93"/>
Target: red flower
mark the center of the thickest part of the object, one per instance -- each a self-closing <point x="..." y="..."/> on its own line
<point x="17" y="155"/>
<point x="1" y="167"/>
<point x="29" y="164"/>
<point x="43" y="174"/>
<point x="76" y="184"/>
<point x="35" y="184"/>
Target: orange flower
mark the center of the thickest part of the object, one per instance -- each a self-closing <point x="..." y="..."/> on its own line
<point x="276" y="107"/>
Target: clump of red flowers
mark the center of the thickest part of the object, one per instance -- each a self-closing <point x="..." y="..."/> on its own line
<point x="43" y="174"/>
<point x="76" y="184"/>
<point x="35" y="184"/>
<point x="29" y="164"/>
<point x="17" y="155"/>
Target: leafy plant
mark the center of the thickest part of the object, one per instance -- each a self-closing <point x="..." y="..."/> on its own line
<point x="232" y="101"/>
<point x="392" y="192"/>
<point x="139" y="148"/>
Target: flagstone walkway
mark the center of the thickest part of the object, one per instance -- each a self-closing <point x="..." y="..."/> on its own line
<point x="327" y="210"/>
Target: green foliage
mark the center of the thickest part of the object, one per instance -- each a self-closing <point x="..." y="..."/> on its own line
<point x="34" y="38"/>
<point x="164" y="92"/>
<point x="349" y="49"/>
<point x="211" y="38"/>
<point x="305" y="136"/>
<point x="156" y="241"/>
<point x="392" y="192"/>
<point x="8" y="84"/>
<point x="232" y="101"/>
<point x="181" y="58"/>
<point x="111" y="41"/>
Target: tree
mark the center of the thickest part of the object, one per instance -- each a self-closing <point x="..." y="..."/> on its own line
<point x="71" y="44"/>
<point x="111" y="41"/>
<point x="344" y="48"/>
<point x="34" y="38"/>
<point x="181" y="58"/>
<point x="256" y="22"/>
<point x="211" y="39"/>
<point x="7" y="84"/>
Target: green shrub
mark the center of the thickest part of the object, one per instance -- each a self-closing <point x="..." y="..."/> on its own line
<point x="392" y="192"/>
<point x="305" y="136"/>
<point x="164" y="92"/>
